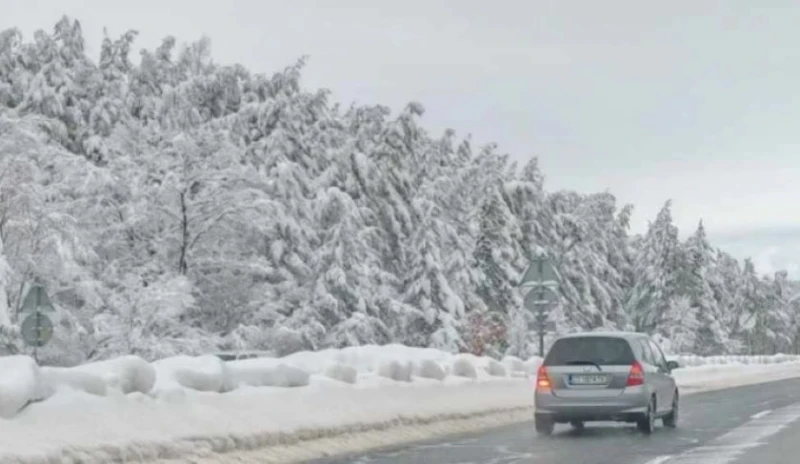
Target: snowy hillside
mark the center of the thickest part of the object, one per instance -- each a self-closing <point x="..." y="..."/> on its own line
<point x="180" y="206"/>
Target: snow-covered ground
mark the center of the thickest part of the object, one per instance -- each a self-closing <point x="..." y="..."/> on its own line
<point x="298" y="407"/>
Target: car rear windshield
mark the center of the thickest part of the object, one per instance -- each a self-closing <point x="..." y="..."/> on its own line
<point x="607" y="351"/>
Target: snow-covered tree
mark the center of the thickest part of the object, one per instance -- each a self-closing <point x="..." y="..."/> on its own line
<point x="180" y="205"/>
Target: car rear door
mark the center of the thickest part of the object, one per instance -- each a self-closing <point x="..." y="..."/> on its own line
<point x="590" y="366"/>
<point x="666" y="383"/>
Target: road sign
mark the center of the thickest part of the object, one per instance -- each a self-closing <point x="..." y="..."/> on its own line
<point x="37" y="301"/>
<point x="539" y="296"/>
<point x="37" y="329"/>
<point x="539" y="272"/>
<point x="538" y="285"/>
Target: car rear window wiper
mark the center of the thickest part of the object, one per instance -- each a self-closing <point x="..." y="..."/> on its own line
<point x="584" y="363"/>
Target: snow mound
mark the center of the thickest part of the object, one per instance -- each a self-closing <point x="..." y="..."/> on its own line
<point x="429" y="369"/>
<point x="202" y="373"/>
<point x="60" y="378"/>
<point x="365" y="358"/>
<point x="266" y="372"/>
<point x="342" y="373"/>
<point x="464" y="367"/>
<point x="514" y="365"/>
<point x="696" y="361"/>
<point x="495" y="369"/>
<point x="21" y="382"/>
<point x="127" y="374"/>
<point x="399" y="371"/>
<point x="532" y="365"/>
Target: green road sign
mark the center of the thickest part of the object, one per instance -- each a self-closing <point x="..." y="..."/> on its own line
<point x="37" y="301"/>
<point x="37" y="329"/>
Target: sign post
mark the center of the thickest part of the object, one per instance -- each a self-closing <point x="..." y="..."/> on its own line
<point x="539" y="284"/>
<point x="37" y="327"/>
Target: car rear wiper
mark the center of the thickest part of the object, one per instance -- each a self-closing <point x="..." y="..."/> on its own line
<point x="584" y="363"/>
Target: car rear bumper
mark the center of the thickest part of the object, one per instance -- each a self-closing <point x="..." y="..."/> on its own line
<point x="628" y="406"/>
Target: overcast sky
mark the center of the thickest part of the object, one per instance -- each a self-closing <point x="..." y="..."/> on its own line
<point x="697" y="101"/>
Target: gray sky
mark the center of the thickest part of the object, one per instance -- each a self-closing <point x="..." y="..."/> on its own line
<point x="697" y="101"/>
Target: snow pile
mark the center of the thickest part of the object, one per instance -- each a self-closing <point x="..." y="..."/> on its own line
<point x="20" y="383"/>
<point x="429" y="369"/>
<point x="127" y="374"/>
<point x="399" y="371"/>
<point x="266" y="372"/>
<point x="74" y="426"/>
<point x="342" y="373"/>
<point x="515" y="366"/>
<point x="202" y="373"/>
<point x="694" y="360"/>
<point x="532" y="365"/>
<point x="367" y="358"/>
<point x="463" y="366"/>
<point x="60" y="378"/>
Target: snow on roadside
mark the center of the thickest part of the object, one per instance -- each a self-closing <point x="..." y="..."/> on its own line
<point x="244" y="418"/>
<point x="127" y="373"/>
<point x="172" y="407"/>
<point x="202" y="373"/>
<point x="59" y="378"/>
<point x="20" y="383"/>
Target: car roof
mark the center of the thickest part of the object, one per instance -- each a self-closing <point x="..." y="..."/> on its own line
<point x="612" y="334"/>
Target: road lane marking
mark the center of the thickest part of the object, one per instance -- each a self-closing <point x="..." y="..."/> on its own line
<point x="659" y="460"/>
<point x="726" y="448"/>
<point x="761" y="414"/>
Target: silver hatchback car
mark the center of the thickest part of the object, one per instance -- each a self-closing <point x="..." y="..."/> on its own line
<point x="605" y="376"/>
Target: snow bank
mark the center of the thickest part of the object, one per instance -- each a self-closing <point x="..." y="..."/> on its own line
<point x="308" y="422"/>
<point x="694" y="361"/>
<point x="127" y="374"/>
<point x="76" y="427"/>
<point x="365" y="359"/>
<point x="202" y="373"/>
<point x="60" y="378"/>
<point x="429" y="369"/>
<point x="266" y="372"/>
<point x="399" y="371"/>
<point x="515" y="366"/>
<point x="20" y="383"/>
<point x="463" y="366"/>
<point x="532" y="365"/>
<point x="342" y="373"/>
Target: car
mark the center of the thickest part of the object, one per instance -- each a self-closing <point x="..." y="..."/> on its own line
<point x="605" y="376"/>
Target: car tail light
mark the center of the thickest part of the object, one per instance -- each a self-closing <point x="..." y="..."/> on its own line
<point x="635" y="376"/>
<point x="542" y="380"/>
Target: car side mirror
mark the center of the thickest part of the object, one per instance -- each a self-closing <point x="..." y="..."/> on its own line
<point x="672" y="365"/>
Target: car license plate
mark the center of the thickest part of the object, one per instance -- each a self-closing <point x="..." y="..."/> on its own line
<point x="588" y="379"/>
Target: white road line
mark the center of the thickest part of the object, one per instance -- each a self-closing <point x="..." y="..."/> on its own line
<point x="659" y="460"/>
<point x="761" y="414"/>
<point x="728" y="447"/>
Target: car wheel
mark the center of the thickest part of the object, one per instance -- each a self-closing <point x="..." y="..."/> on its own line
<point x="648" y="423"/>
<point x="578" y="425"/>
<point x="544" y="425"/>
<point x="671" y="419"/>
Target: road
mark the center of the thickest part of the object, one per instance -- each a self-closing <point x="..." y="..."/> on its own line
<point x="743" y="425"/>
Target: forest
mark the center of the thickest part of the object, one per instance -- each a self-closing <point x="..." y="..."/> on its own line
<point x="174" y="205"/>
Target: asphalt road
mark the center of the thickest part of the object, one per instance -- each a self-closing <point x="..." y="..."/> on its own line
<point x="752" y="424"/>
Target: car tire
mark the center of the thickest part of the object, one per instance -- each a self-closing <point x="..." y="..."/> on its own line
<point x="578" y="425"/>
<point x="671" y="419"/>
<point x="544" y="425"/>
<point x="647" y="423"/>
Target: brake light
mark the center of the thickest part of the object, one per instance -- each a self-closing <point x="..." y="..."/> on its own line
<point x="542" y="380"/>
<point x="635" y="375"/>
